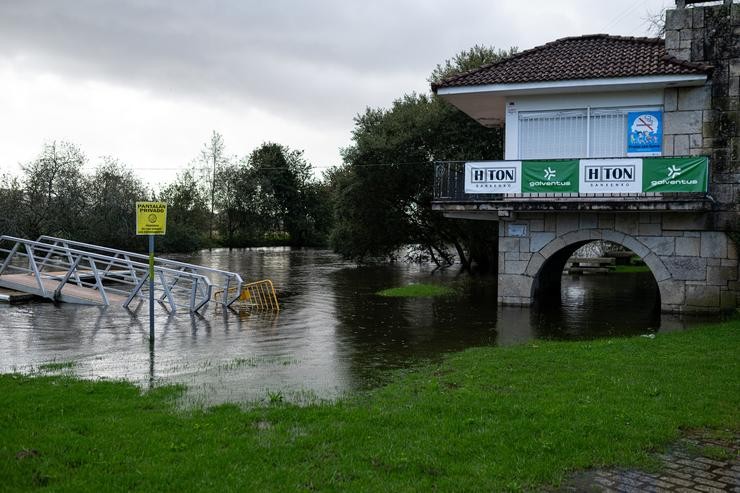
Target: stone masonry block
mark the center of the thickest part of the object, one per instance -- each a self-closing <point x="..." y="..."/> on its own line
<point x="672" y="292"/>
<point x="688" y="247"/>
<point x="713" y="244"/>
<point x="720" y="276"/>
<point x="696" y="141"/>
<point x="538" y="240"/>
<point x="508" y="245"/>
<point x="535" y="263"/>
<point x="670" y="96"/>
<point x="686" y="268"/>
<point x="660" y="245"/>
<point x="694" y="98"/>
<point x="566" y="222"/>
<point x="606" y="221"/>
<point x="511" y="256"/>
<point x="651" y="229"/>
<point x="668" y="148"/>
<point x="587" y="220"/>
<point x="514" y="285"/>
<point x="659" y="270"/>
<point x="728" y="300"/>
<point x="537" y="225"/>
<point x="684" y="222"/>
<point x="551" y="222"/>
<point x="595" y="234"/>
<point x="515" y="267"/>
<point x="613" y="236"/>
<point x="681" y="145"/>
<point x="552" y="247"/>
<point x="683" y="122"/>
<point x="524" y="245"/>
<point x="697" y="18"/>
<point x="637" y="248"/>
<point x="677" y="19"/>
<point x="576" y="236"/>
<point x="703" y="296"/>
<point x="626" y="223"/>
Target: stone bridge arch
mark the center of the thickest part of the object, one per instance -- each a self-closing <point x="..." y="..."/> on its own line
<point x="546" y="266"/>
<point x="696" y="270"/>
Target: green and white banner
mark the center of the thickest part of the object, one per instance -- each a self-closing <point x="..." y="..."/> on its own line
<point x="603" y="176"/>
<point x="675" y="174"/>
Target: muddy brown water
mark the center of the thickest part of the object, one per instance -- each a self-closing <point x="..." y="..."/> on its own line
<point x="333" y="335"/>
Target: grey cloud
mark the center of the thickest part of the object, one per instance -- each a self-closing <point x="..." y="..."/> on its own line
<point x="320" y="61"/>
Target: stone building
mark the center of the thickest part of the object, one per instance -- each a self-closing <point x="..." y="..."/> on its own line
<point x="631" y="140"/>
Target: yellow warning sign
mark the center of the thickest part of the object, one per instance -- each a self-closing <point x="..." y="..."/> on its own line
<point x="151" y="218"/>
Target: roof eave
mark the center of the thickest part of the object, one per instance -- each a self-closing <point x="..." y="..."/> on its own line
<point x="574" y="85"/>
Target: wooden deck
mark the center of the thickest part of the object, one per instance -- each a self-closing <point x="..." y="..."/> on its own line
<point x="70" y="293"/>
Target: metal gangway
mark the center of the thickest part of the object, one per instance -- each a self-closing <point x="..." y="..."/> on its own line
<point x="75" y="272"/>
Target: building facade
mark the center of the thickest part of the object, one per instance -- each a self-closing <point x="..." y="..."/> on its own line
<point x="630" y="140"/>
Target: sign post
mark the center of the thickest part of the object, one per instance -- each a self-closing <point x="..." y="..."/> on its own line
<point x="151" y="220"/>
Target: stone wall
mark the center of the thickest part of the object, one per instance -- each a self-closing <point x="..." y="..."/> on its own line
<point x="706" y="120"/>
<point x="696" y="269"/>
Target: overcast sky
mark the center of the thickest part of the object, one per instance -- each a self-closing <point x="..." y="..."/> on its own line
<point x="147" y="81"/>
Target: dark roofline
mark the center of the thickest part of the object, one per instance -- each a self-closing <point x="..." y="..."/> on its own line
<point x="656" y="41"/>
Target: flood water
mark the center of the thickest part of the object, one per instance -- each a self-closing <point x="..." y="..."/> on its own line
<point x="332" y="336"/>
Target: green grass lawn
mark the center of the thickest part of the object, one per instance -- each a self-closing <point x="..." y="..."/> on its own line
<point x="417" y="291"/>
<point x="486" y="419"/>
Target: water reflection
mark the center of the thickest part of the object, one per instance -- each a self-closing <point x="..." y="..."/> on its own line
<point x="333" y="334"/>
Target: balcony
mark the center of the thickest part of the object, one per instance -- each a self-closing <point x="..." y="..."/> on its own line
<point x="450" y="192"/>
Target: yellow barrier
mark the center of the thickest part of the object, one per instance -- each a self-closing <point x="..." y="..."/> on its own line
<point x="259" y="295"/>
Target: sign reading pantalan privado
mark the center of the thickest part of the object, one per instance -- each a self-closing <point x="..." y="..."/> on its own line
<point x="151" y="218"/>
<point x="602" y="176"/>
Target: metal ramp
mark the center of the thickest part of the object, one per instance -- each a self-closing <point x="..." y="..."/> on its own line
<point x="76" y="272"/>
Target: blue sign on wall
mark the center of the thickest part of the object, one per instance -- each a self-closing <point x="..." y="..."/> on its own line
<point x="644" y="133"/>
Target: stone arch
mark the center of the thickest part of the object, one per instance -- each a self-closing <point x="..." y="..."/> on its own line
<point x="546" y="265"/>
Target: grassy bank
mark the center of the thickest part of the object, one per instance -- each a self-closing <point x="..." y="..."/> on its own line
<point x="487" y="419"/>
<point x="417" y="291"/>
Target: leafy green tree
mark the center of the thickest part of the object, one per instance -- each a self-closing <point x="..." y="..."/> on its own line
<point x="470" y="59"/>
<point x="188" y="215"/>
<point x="283" y="177"/>
<point x="11" y="205"/>
<point x="54" y="191"/>
<point x="109" y="217"/>
<point x="382" y="194"/>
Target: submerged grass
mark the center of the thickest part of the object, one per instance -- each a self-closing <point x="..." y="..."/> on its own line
<point x="417" y="291"/>
<point x="57" y="366"/>
<point x="486" y="419"/>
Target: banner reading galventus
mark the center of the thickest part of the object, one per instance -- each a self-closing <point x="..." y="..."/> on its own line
<point x="675" y="174"/>
<point x="602" y="176"/>
<point x="550" y="176"/>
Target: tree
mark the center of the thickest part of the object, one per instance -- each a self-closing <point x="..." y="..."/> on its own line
<point x="109" y="217"/>
<point x="187" y="213"/>
<point x="11" y="204"/>
<point x="383" y="193"/>
<point x="55" y="191"/>
<point x="470" y="59"/>
<point x="213" y="161"/>
<point x="283" y="177"/>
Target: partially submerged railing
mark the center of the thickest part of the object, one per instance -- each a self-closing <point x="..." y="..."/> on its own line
<point x="59" y="272"/>
<point x="259" y="295"/>
<point x="219" y="279"/>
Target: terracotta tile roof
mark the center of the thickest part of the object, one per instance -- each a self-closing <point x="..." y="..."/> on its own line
<point x="593" y="56"/>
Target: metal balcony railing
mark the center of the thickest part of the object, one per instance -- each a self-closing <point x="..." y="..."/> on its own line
<point x="449" y="187"/>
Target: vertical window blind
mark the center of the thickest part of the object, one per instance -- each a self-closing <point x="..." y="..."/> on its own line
<point x="573" y="133"/>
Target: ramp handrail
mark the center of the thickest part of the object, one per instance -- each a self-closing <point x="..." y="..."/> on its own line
<point x="221" y="279"/>
<point x="36" y="259"/>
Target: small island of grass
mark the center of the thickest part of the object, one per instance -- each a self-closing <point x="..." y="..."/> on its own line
<point x="417" y="291"/>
